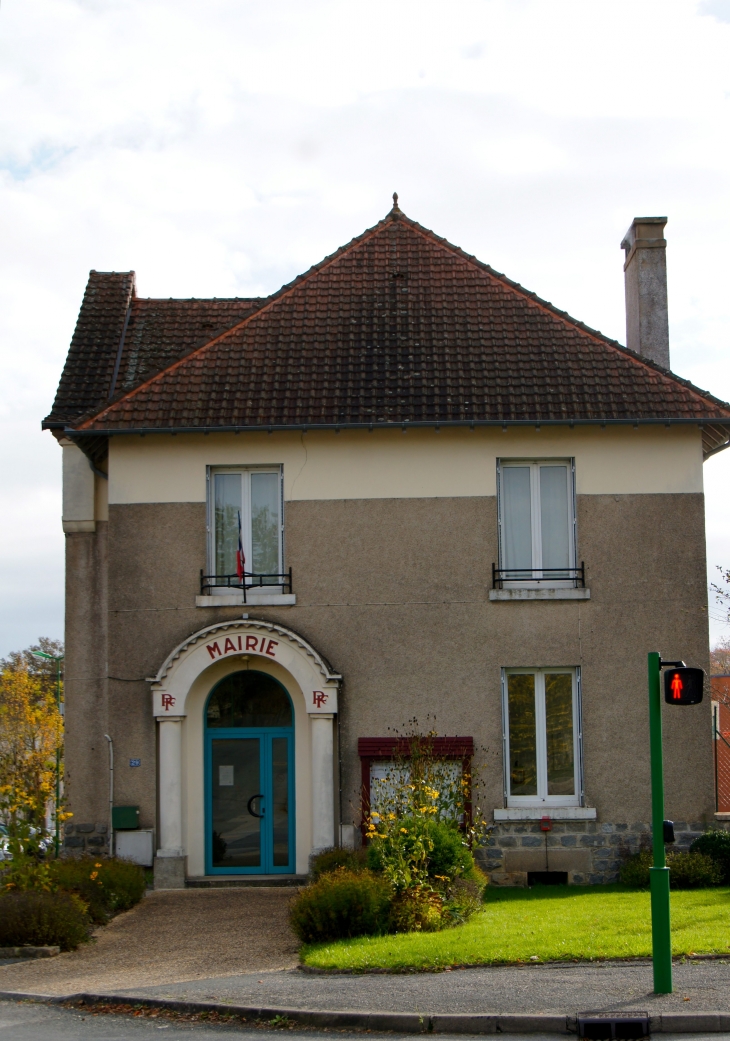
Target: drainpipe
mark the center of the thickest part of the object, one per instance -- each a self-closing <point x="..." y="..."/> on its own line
<point x="111" y="795"/>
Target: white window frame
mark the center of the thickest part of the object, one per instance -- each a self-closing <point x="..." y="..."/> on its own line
<point x="245" y="472"/>
<point x="537" y="582"/>
<point x="542" y="799"/>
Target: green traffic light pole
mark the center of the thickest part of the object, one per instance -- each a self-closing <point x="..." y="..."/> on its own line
<point x="659" y="874"/>
<point x="41" y="655"/>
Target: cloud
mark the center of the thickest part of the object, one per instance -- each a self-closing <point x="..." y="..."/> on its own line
<point x="223" y="149"/>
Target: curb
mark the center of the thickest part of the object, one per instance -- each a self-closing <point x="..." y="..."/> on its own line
<point x="29" y="952"/>
<point x="400" y="1022"/>
<point x="574" y="963"/>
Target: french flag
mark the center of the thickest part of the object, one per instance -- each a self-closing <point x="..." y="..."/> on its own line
<point x="240" y="555"/>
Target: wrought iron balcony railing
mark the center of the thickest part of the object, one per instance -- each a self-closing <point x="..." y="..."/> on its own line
<point x="250" y="580"/>
<point x="545" y="575"/>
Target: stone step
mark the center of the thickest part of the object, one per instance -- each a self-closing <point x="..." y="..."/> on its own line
<point x="243" y="881"/>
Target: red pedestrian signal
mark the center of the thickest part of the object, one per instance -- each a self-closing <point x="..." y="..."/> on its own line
<point x="683" y="686"/>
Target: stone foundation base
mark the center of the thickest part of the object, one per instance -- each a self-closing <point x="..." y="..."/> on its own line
<point x="590" y="852"/>
<point x="85" y="839"/>
<point x="170" y="872"/>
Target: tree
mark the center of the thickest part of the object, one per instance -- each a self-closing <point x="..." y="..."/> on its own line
<point x="720" y="657"/>
<point x="38" y="668"/>
<point x="31" y="733"/>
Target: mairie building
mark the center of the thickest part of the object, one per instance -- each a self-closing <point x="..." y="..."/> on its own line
<point x="400" y="488"/>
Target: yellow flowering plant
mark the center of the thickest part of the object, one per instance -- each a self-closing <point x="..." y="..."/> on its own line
<point x="421" y="818"/>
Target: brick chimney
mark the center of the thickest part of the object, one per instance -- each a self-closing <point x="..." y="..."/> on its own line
<point x="645" y="276"/>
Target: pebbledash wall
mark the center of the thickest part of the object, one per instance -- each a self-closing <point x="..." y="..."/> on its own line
<point x="391" y="537"/>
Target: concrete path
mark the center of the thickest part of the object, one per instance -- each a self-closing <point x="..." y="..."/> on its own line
<point x="168" y="937"/>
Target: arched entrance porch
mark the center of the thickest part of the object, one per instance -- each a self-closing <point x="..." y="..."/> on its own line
<point x="180" y="694"/>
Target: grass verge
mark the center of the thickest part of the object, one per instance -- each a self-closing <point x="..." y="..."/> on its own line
<point x="552" y="923"/>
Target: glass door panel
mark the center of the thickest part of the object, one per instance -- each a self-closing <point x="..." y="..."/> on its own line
<point x="238" y="803"/>
<point x="280" y="800"/>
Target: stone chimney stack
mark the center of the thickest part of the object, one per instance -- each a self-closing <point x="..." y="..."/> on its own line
<point x="645" y="275"/>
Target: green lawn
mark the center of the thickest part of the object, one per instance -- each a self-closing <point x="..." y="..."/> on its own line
<point x="552" y="922"/>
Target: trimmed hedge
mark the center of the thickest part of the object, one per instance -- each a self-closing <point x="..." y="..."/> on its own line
<point x="342" y="904"/>
<point x="335" y="857"/>
<point x="106" y="886"/>
<point x="691" y="870"/>
<point x="715" y="844"/>
<point x="36" y="918"/>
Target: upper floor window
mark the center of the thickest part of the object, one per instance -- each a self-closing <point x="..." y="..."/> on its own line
<point x="536" y="520"/>
<point x="542" y="737"/>
<point x="245" y="526"/>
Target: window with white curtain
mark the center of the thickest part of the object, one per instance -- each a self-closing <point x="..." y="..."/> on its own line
<point x="536" y="520"/>
<point x="542" y="738"/>
<point x="246" y="502"/>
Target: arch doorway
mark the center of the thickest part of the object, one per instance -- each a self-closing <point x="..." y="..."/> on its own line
<point x="249" y="776"/>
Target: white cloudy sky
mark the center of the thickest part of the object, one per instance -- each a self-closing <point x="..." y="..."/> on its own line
<point x="220" y="148"/>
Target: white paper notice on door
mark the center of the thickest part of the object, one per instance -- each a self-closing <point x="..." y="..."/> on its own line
<point x="225" y="776"/>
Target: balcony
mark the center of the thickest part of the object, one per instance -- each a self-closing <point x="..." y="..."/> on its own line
<point x="539" y="583"/>
<point x="253" y="589"/>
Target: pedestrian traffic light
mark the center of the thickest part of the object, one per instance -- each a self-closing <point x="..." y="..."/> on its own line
<point x="683" y="686"/>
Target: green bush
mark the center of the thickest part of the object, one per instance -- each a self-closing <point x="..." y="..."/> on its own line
<point x="691" y="870"/>
<point x="37" y="918"/>
<point x="635" y="869"/>
<point x="448" y="855"/>
<point x="341" y="904"/>
<point x="465" y="898"/>
<point x="329" y="860"/>
<point x="105" y="886"/>
<point x="417" y="910"/>
<point x="715" y="844"/>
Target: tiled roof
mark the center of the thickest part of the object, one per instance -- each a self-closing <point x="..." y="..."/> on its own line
<point x="397" y="327"/>
<point x="122" y="339"/>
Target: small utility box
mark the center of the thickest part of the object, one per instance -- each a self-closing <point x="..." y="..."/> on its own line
<point x="125" y="818"/>
<point x="135" y="845"/>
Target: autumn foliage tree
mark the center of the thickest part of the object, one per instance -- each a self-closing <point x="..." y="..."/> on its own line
<point x="31" y="733"/>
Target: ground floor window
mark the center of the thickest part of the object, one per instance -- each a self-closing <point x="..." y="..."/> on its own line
<point x="542" y="737"/>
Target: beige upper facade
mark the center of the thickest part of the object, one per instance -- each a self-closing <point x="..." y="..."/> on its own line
<point x="385" y="464"/>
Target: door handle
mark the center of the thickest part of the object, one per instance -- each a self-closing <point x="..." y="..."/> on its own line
<point x="248" y="805"/>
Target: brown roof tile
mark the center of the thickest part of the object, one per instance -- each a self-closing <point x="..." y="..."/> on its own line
<point x="397" y="327"/>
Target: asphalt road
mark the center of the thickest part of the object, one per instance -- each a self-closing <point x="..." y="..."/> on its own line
<point x="34" y="1022"/>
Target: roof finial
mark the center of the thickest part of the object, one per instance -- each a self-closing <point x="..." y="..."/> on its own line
<point x="396" y="207"/>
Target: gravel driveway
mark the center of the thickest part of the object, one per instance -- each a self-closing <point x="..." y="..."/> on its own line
<point x="171" y="936"/>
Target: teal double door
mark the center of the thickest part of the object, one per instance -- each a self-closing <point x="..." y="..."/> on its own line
<point x="250" y="801"/>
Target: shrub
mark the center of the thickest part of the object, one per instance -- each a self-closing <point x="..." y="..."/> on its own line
<point x="693" y="871"/>
<point x="446" y="854"/>
<point x="38" y="919"/>
<point x="329" y="860"/>
<point x="715" y="844"/>
<point x="449" y="855"/>
<point x="635" y="869"/>
<point x="464" y="899"/>
<point x="686" y="870"/>
<point x="106" y="886"/>
<point x="417" y="910"/>
<point x="341" y="904"/>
